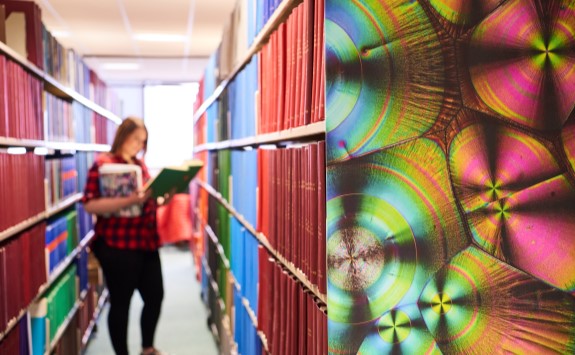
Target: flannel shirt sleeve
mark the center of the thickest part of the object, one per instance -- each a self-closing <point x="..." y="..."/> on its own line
<point x="92" y="188"/>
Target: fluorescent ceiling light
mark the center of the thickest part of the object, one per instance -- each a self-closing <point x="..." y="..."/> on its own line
<point x="160" y="37"/>
<point x="120" y="66"/>
<point x="41" y="151"/>
<point x="16" y="150"/>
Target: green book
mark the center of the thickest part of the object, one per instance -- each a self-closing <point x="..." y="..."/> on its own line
<point x="174" y="178"/>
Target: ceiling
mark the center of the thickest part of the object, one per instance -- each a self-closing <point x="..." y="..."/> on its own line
<point x="106" y="32"/>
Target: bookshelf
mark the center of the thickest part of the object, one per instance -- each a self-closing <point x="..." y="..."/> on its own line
<point x="52" y="147"/>
<point x="299" y="134"/>
<point x="59" y="129"/>
<point x="53" y="86"/>
<point x="288" y="265"/>
<point x="245" y="302"/>
<point x="98" y="310"/>
<point x="64" y="264"/>
<point x="40" y="217"/>
<point x="227" y="341"/>
<point x="240" y="117"/>
<point x="278" y="17"/>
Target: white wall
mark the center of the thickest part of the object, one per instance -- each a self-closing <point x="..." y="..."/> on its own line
<point x="132" y="98"/>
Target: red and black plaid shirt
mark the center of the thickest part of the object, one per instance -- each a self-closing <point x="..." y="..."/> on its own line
<point x="123" y="232"/>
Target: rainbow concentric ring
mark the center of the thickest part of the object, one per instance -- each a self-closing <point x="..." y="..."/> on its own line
<point x="400" y="331"/>
<point x="389" y="231"/>
<point x="493" y="308"/>
<point x="522" y="62"/>
<point x="519" y="205"/>
<point x="385" y="84"/>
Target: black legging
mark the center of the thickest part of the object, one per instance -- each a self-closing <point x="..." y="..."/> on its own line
<point x="126" y="271"/>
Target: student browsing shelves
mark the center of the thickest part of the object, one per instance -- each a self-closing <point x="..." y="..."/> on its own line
<point x="127" y="247"/>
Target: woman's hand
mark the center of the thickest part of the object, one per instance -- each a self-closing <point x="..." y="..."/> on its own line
<point x="141" y="196"/>
<point x="105" y="205"/>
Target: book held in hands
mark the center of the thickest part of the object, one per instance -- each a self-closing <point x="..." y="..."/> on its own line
<point x="121" y="180"/>
<point x="174" y="179"/>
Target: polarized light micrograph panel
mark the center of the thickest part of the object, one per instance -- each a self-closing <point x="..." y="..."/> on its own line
<point x="400" y="331"/>
<point x="478" y="305"/>
<point x="522" y="62"/>
<point x="385" y="81"/>
<point x="389" y="230"/>
<point x="518" y="202"/>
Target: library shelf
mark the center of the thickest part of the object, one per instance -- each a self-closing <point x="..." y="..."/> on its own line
<point x="51" y="279"/>
<point x="66" y="323"/>
<point x="54" y="146"/>
<point x="99" y="307"/>
<point x="10" y="231"/>
<point x="62" y="205"/>
<point x="245" y="302"/>
<point x="292" y="134"/>
<point x="277" y="18"/>
<point x="53" y="86"/>
<point x="262" y="239"/>
<point x="221" y="304"/>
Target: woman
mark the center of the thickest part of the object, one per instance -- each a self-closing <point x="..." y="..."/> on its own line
<point x="127" y="247"/>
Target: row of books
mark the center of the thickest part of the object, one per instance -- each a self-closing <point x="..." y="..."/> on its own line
<point x="241" y="94"/>
<point x="104" y="129"/>
<point x="16" y="342"/>
<point x="61" y="238"/>
<point x="20" y="102"/>
<point x="61" y="179"/>
<point x="292" y="206"/>
<point x="50" y="311"/>
<point x="22" y="272"/>
<point x="291" y="77"/>
<point x="26" y="34"/>
<point x="245" y="331"/>
<point x="22" y="189"/>
<point x="244" y="263"/>
<point x="289" y="317"/>
<point x="73" y="122"/>
<point x="84" y="161"/>
<point x="279" y="89"/>
<point x="23" y="27"/>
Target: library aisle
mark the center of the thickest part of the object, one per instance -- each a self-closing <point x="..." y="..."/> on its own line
<point x="182" y="329"/>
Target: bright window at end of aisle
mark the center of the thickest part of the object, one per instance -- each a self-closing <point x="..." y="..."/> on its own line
<point x="168" y="114"/>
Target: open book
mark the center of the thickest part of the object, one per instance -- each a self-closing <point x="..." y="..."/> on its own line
<point x="119" y="180"/>
<point x="174" y="178"/>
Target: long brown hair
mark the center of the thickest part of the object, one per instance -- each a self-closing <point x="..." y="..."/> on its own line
<point x="127" y="127"/>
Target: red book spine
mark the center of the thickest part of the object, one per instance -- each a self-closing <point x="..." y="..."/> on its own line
<point x="3" y="289"/>
<point x="308" y="60"/>
<point x="3" y="98"/>
<point x="321" y="256"/>
<point x="322" y="63"/>
<point x="3" y="215"/>
<point x="261" y="87"/>
<point x="289" y="71"/>
<point x="272" y="193"/>
<point x="281" y="62"/>
<point x="314" y="200"/>
<point x="311" y="334"/>
<point x="298" y="64"/>
<point x="289" y="181"/>
<point x="302" y="321"/>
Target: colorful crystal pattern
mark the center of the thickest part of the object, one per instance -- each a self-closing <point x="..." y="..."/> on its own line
<point x="451" y="234"/>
